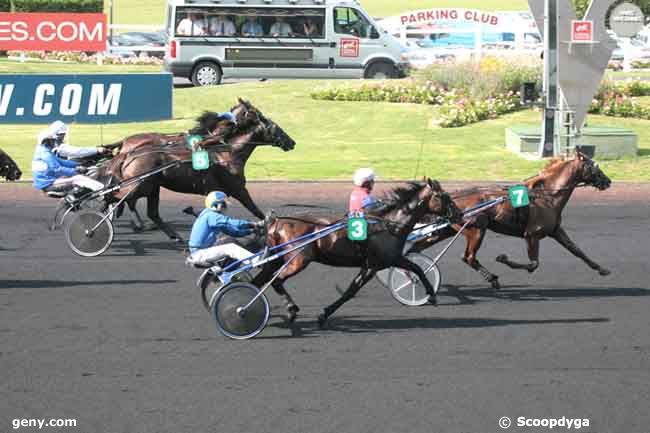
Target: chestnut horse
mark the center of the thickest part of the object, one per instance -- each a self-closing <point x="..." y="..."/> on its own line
<point x="226" y="172"/>
<point x="8" y="167"/>
<point x="549" y="193"/>
<point x="387" y="231"/>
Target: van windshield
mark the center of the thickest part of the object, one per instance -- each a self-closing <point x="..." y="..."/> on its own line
<point x="250" y="22"/>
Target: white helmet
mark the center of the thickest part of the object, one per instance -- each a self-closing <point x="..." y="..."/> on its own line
<point x="363" y="175"/>
<point x="56" y="130"/>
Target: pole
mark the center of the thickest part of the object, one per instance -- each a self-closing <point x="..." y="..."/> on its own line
<point x="550" y="78"/>
<point x="110" y="5"/>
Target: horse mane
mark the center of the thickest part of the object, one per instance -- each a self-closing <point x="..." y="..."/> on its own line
<point x="205" y="123"/>
<point x="400" y="196"/>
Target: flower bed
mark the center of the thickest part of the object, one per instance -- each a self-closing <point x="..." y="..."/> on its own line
<point x="618" y="100"/>
<point x="81" y="57"/>
<point x="466" y="92"/>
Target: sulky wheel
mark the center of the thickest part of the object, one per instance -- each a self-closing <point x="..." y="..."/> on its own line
<point x="89" y="233"/>
<point x="407" y="288"/>
<point x="235" y="321"/>
<point x="210" y="285"/>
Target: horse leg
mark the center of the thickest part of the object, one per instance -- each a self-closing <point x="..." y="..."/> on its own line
<point x="533" y="255"/>
<point x="289" y="304"/>
<point x="405" y="263"/>
<point x="153" y="201"/>
<point x="359" y="281"/>
<point x="245" y="199"/>
<point x="474" y="238"/>
<point x="138" y="226"/>
<point x="563" y="239"/>
<point x="297" y="265"/>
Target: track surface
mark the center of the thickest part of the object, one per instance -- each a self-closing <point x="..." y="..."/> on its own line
<point x="122" y="344"/>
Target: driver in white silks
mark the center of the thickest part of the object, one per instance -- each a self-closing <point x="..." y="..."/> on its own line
<point x="205" y="246"/>
<point x="51" y="171"/>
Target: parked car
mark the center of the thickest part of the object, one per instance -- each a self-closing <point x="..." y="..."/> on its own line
<point x="637" y="50"/>
<point x="150" y="43"/>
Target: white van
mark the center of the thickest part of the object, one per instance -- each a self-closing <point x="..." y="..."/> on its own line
<point x="213" y="39"/>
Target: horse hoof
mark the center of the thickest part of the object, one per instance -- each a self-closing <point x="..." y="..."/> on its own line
<point x="495" y="284"/>
<point x="501" y="258"/>
<point x="322" y="320"/>
<point x="604" y="272"/>
<point x="433" y="300"/>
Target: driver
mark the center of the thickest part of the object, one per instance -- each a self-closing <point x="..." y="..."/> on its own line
<point x="204" y="251"/>
<point x="360" y="198"/>
<point x="51" y="172"/>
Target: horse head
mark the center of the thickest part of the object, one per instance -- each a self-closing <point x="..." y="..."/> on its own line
<point x="8" y="167"/>
<point x="411" y="203"/>
<point x="440" y="202"/>
<point x="266" y="131"/>
<point x="588" y="171"/>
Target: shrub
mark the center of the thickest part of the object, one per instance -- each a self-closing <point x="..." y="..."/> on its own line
<point x="59" y="5"/>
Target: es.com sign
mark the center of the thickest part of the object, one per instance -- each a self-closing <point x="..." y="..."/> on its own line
<point x="52" y="31"/>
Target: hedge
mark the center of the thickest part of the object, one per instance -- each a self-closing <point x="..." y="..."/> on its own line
<point x="58" y="5"/>
<point x="5" y="6"/>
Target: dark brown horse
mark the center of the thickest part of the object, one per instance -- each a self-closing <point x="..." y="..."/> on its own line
<point x="383" y="248"/>
<point x="8" y="167"/>
<point x="549" y="193"/>
<point x="226" y="173"/>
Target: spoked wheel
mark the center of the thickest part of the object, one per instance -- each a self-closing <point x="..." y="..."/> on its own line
<point x="406" y="287"/>
<point x="210" y="285"/>
<point x="88" y="234"/>
<point x="233" y="319"/>
<point x="66" y="208"/>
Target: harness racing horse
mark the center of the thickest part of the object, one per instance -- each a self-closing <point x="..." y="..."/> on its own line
<point x="387" y="231"/>
<point x="226" y="172"/>
<point x="549" y="193"/>
<point x="8" y="167"/>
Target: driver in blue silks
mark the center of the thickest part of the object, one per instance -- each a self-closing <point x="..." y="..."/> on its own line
<point x="53" y="173"/>
<point x="205" y="247"/>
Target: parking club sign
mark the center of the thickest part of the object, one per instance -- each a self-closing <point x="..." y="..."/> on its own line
<point x="582" y="31"/>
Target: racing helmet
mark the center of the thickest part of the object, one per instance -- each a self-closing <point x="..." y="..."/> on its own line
<point x="229" y="116"/>
<point x="58" y="131"/>
<point x="215" y="200"/>
<point x="363" y="175"/>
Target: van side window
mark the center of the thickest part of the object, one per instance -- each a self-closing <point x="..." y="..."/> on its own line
<point x="268" y="22"/>
<point x="349" y="21"/>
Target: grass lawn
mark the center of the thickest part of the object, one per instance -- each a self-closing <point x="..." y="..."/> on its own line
<point x="335" y="138"/>
<point x="634" y="75"/>
<point x="152" y="12"/>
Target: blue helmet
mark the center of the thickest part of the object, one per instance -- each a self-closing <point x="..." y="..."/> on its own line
<point x="229" y="116"/>
<point x="215" y="199"/>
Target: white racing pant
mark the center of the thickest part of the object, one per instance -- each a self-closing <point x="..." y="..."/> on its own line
<point x="79" y="180"/>
<point x="212" y="254"/>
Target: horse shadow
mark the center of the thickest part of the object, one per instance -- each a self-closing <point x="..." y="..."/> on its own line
<point x="468" y="295"/>
<point x="48" y="284"/>
<point x="369" y="325"/>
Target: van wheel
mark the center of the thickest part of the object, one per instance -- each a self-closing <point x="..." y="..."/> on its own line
<point x="382" y="70"/>
<point x="206" y="74"/>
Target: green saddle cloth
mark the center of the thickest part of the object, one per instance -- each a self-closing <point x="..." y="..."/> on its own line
<point x="192" y="139"/>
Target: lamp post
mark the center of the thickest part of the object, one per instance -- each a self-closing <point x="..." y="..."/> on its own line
<point x="110" y="6"/>
<point x="546" y="146"/>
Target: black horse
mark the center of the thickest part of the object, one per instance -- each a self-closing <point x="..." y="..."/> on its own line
<point x="8" y="167"/>
<point x="383" y="249"/>
<point x="226" y="173"/>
